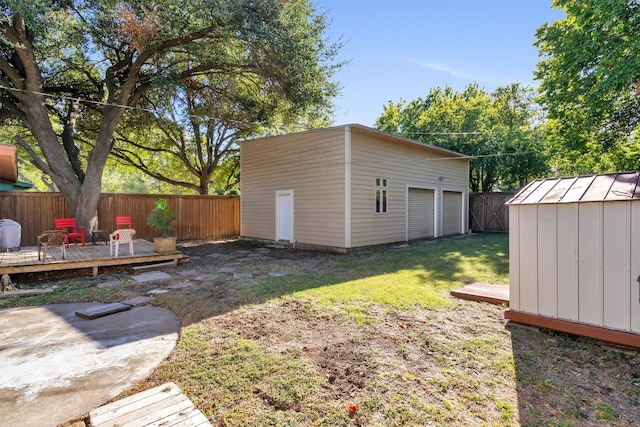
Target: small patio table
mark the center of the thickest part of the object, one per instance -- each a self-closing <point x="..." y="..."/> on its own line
<point x="99" y="236"/>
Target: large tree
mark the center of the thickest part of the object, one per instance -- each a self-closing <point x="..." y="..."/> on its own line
<point x="498" y="129"/>
<point x="590" y="81"/>
<point x="72" y="67"/>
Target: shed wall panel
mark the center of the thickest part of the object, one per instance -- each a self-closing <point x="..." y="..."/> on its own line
<point x="529" y="255"/>
<point x="514" y="258"/>
<point x="635" y="267"/>
<point x="567" y="261"/>
<point x="547" y="261"/>
<point x="616" y="257"/>
<point x="590" y="230"/>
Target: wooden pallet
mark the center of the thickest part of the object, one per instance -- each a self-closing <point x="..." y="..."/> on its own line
<point x="487" y="292"/>
<point x="164" y="405"/>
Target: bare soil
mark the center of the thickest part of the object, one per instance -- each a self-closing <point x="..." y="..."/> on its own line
<point x="463" y="363"/>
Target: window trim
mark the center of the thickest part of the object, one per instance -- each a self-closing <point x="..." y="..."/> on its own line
<point x="381" y="196"/>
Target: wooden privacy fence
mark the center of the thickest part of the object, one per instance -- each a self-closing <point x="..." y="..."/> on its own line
<point x="199" y="217"/>
<point x="489" y="212"/>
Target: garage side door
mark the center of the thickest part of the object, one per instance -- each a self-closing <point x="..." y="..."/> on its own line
<point x="451" y="212"/>
<point x="420" y="213"/>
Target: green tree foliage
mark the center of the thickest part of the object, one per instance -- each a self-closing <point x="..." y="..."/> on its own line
<point x="498" y="129"/>
<point x="590" y="84"/>
<point x="71" y="70"/>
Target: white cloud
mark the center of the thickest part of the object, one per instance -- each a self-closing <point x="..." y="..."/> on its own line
<point x="454" y="72"/>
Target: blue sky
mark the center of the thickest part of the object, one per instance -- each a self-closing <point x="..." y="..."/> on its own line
<point x="399" y="49"/>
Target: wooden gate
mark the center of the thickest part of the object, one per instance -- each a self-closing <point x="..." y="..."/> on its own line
<point x="489" y="212"/>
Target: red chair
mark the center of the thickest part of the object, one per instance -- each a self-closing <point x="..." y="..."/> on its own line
<point x="124" y="221"/>
<point x="69" y="224"/>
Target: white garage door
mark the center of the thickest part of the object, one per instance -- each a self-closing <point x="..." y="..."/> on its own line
<point x="451" y="213"/>
<point x="420" y="213"/>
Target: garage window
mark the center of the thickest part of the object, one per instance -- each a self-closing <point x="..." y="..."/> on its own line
<point x="382" y="195"/>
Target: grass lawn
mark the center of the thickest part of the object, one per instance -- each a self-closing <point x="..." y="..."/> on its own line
<point x="374" y="338"/>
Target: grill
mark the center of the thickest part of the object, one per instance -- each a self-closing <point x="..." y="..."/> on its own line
<point x="10" y="234"/>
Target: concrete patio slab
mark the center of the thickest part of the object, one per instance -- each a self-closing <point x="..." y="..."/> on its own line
<point x="56" y="366"/>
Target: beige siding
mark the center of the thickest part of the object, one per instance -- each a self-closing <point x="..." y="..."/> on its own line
<point x="634" y="237"/>
<point x="547" y="252"/>
<point x="405" y="166"/>
<point x="312" y="165"/>
<point x="514" y="258"/>
<point x="567" y="261"/>
<point x="616" y="268"/>
<point x="577" y="262"/>
<point x="590" y="263"/>
<point x="528" y="280"/>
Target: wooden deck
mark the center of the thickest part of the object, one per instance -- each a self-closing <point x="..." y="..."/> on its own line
<point x="164" y="405"/>
<point x="90" y="256"/>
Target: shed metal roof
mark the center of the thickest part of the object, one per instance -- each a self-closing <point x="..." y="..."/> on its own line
<point x="587" y="188"/>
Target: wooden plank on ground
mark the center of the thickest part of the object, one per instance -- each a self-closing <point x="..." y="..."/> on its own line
<point x="487" y="292"/>
<point x="102" y="310"/>
<point x="156" y="266"/>
<point x="25" y="292"/>
<point x="164" y="405"/>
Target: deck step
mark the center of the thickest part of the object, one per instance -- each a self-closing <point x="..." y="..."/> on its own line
<point x="102" y="310"/>
<point x="156" y="266"/>
<point x="164" y="405"/>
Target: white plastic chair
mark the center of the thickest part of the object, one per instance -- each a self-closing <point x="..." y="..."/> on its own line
<point x="119" y="237"/>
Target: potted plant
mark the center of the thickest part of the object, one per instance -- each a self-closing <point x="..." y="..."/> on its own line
<point x="160" y="219"/>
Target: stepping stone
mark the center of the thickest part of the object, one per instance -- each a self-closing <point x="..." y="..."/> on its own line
<point x="262" y="250"/>
<point x="226" y="270"/>
<point x="179" y="286"/>
<point x="340" y="271"/>
<point x="216" y="255"/>
<point x="242" y="251"/>
<point x="188" y="273"/>
<point x="285" y="260"/>
<point x="310" y="273"/>
<point x="109" y="283"/>
<point x="277" y="273"/>
<point x="242" y="275"/>
<point x="133" y="302"/>
<point x="151" y="276"/>
<point x="102" y="310"/>
<point x="244" y="260"/>
<point x="157" y="291"/>
<point x="306" y="264"/>
<point x="206" y="277"/>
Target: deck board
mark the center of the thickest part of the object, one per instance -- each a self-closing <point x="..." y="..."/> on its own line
<point x="487" y="292"/>
<point x="78" y="257"/>
<point x="164" y="405"/>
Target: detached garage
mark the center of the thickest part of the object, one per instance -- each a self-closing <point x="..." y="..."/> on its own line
<point x="350" y="186"/>
<point x="574" y="256"/>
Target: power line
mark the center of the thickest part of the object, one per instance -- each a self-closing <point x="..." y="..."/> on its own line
<point x="138" y="108"/>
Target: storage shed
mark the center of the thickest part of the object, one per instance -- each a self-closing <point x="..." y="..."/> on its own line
<point x="574" y="256"/>
<point x="350" y="186"/>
